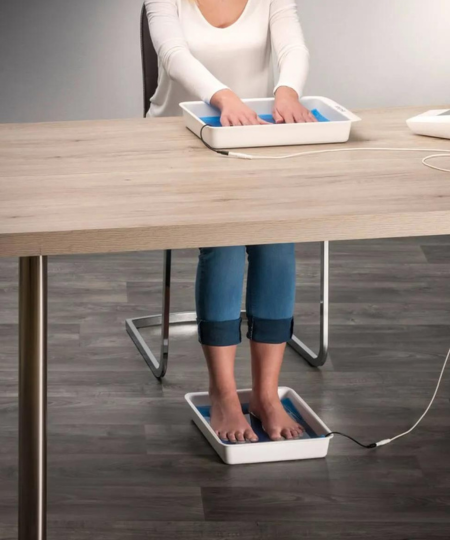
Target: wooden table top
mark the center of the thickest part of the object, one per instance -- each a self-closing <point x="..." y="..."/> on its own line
<point x="142" y="184"/>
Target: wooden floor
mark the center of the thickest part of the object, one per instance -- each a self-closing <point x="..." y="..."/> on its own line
<point x="126" y="463"/>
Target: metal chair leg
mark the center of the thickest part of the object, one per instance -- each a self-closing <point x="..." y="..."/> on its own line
<point x="166" y="319"/>
<point x="158" y="367"/>
<point x="317" y="360"/>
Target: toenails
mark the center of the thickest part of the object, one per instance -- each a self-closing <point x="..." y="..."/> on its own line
<point x="276" y="421"/>
<point x="250" y="436"/>
<point x="228" y="420"/>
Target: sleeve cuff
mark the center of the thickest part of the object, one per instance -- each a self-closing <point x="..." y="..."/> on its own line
<point x="207" y="97"/>
<point x="289" y="86"/>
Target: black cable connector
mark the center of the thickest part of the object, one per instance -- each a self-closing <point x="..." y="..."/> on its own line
<point x="372" y="445"/>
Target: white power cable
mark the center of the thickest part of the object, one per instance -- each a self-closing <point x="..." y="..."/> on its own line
<point x="387" y="441"/>
<point x="425" y="162"/>
<point x="442" y="153"/>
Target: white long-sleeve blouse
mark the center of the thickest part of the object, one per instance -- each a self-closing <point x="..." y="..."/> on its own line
<point x="197" y="59"/>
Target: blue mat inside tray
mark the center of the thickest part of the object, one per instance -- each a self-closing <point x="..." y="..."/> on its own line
<point x="214" y="121"/>
<point x="256" y="424"/>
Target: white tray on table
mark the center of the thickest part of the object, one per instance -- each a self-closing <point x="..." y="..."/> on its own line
<point x="336" y="130"/>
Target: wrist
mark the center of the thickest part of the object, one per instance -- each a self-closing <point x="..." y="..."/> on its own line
<point x="222" y="97"/>
<point x="286" y="92"/>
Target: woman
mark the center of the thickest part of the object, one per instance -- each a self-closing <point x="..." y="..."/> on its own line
<point x="221" y="51"/>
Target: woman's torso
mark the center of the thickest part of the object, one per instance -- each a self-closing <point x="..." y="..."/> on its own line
<point x="238" y="55"/>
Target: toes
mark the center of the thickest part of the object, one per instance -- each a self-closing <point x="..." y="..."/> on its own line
<point x="286" y="433"/>
<point x="275" y="435"/>
<point x="222" y="435"/>
<point x="231" y="436"/>
<point x="250" y="436"/>
<point x="240" y="437"/>
<point x="295" y="433"/>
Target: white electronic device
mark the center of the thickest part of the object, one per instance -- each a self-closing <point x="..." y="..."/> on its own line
<point x="435" y="123"/>
<point x="334" y="124"/>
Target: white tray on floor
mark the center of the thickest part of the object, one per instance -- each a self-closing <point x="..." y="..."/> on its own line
<point x="232" y="454"/>
<point x="336" y="130"/>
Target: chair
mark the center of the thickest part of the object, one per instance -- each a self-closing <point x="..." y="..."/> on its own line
<point x="166" y="319"/>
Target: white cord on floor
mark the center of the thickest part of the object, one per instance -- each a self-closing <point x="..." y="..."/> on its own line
<point x="387" y="441"/>
<point x="442" y="153"/>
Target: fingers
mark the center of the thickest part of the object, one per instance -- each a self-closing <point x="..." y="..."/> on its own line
<point x="248" y="120"/>
<point x="277" y="117"/>
<point x="252" y="120"/>
<point x="296" y="116"/>
<point x="311" y="117"/>
<point x="308" y="116"/>
<point x="304" y="117"/>
<point x="227" y="120"/>
<point x="288" y="117"/>
<point x="299" y="117"/>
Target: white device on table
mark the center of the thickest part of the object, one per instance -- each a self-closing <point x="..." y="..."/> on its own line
<point x="335" y="127"/>
<point x="435" y="123"/>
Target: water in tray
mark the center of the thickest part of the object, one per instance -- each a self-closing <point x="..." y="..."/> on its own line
<point x="214" y="121"/>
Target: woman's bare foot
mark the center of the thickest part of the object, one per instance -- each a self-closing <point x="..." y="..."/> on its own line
<point x="228" y="420"/>
<point x="275" y="420"/>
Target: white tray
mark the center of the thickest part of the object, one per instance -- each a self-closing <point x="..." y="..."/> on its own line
<point x="259" y="452"/>
<point x="337" y="130"/>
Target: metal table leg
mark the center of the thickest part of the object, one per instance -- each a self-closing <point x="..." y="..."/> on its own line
<point x="159" y="367"/>
<point x="33" y="398"/>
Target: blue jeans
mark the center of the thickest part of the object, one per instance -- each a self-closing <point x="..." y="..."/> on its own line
<point x="270" y="296"/>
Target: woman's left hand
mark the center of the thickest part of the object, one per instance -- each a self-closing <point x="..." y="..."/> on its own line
<point x="288" y="109"/>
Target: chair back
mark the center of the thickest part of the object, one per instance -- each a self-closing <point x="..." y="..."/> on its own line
<point x="149" y="62"/>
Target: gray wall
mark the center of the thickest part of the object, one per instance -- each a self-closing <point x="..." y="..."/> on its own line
<point x="80" y="59"/>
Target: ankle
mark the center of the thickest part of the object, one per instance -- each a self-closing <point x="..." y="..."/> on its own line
<point x="222" y="391"/>
<point x="265" y="395"/>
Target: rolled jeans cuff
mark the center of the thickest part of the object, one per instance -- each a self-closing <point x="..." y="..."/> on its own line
<point x="270" y="330"/>
<point x="219" y="333"/>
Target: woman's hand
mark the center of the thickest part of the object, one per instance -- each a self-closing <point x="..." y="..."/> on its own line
<point x="234" y="112"/>
<point x="288" y="109"/>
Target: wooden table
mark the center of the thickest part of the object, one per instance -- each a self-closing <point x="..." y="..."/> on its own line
<point x="129" y="185"/>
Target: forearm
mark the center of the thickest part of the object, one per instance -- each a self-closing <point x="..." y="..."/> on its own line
<point x="293" y="71"/>
<point x="193" y="75"/>
<point x="292" y="55"/>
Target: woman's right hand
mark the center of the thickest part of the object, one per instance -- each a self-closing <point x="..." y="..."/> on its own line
<point x="233" y="111"/>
